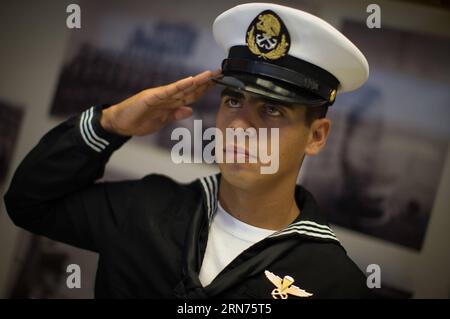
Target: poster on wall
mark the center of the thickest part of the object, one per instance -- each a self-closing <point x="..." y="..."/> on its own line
<point x="121" y="54"/>
<point x="380" y="171"/>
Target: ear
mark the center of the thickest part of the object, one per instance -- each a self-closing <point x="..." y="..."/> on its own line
<point x="318" y="135"/>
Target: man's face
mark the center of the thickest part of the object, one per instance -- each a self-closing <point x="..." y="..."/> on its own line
<point x="244" y="110"/>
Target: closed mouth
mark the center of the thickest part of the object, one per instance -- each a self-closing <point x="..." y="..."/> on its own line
<point x="237" y="150"/>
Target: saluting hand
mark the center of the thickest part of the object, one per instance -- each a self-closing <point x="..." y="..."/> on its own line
<point x="151" y="109"/>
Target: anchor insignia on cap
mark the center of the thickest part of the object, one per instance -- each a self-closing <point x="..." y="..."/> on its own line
<point x="267" y="36"/>
<point x="285" y="287"/>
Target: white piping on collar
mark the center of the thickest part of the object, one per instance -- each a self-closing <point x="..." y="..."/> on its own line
<point x="308" y="225"/>
<point x="210" y="187"/>
<point x="305" y="232"/>
<point x="303" y="227"/>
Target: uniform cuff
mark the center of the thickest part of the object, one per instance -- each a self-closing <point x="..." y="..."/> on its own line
<point x="94" y="135"/>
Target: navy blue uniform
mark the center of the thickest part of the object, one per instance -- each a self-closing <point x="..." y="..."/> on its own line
<point x="151" y="233"/>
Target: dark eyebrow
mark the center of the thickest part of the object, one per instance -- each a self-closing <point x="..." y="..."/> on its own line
<point x="232" y="93"/>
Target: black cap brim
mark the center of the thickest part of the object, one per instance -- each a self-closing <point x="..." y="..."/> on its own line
<point x="269" y="88"/>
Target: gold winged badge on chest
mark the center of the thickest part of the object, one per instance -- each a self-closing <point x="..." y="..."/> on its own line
<point x="284" y="287"/>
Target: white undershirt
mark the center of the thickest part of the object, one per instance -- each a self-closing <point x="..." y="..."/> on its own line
<point x="227" y="238"/>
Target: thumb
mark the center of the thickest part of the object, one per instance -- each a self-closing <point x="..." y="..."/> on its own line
<point x="181" y="113"/>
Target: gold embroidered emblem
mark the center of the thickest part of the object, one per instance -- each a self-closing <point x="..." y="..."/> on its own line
<point x="285" y="287"/>
<point x="267" y="37"/>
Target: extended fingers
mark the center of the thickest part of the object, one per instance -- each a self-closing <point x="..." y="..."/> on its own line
<point x="174" y="88"/>
<point x="186" y="90"/>
<point x="200" y="80"/>
<point x="187" y="85"/>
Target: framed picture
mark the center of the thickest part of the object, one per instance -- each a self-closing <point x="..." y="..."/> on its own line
<point x="127" y="54"/>
<point x="381" y="169"/>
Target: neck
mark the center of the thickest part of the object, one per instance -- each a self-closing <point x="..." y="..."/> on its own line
<point x="270" y="207"/>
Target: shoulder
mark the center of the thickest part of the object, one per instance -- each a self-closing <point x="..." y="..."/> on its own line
<point x="339" y="277"/>
<point x="322" y="269"/>
<point x="152" y="196"/>
<point x="157" y="187"/>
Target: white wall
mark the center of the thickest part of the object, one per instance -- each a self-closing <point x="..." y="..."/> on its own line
<point x="33" y="39"/>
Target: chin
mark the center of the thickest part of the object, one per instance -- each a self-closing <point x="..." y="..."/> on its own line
<point x="242" y="175"/>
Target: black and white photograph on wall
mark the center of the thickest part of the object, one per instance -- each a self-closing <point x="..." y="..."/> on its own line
<point x="381" y="169"/>
<point x="128" y="54"/>
<point x="10" y="123"/>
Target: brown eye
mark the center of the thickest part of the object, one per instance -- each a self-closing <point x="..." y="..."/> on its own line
<point x="233" y="103"/>
<point x="272" y="110"/>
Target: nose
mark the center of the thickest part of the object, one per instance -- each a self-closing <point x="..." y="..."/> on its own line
<point x="242" y="119"/>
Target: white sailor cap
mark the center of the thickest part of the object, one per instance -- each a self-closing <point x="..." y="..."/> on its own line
<point x="287" y="54"/>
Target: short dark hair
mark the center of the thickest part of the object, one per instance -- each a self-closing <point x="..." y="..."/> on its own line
<point x="315" y="112"/>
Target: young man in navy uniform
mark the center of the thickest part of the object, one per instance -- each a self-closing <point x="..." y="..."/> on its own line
<point x="238" y="234"/>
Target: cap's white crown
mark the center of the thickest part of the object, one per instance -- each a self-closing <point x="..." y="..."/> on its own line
<point x="312" y="40"/>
